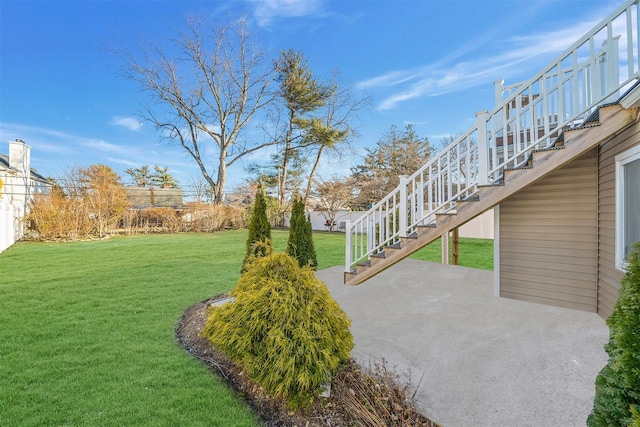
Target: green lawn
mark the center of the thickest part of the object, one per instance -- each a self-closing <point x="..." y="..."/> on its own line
<point x="475" y="253"/>
<point x="87" y="329"/>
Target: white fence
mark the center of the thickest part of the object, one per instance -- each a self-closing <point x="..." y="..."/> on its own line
<point x="7" y="225"/>
<point x="480" y="227"/>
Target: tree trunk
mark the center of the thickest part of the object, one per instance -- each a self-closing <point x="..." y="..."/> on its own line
<point x="285" y="160"/>
<point x="221" y="181"/>
<point x="307" y="192"/>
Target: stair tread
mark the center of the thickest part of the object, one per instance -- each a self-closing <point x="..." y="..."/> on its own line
<point x="493" y="184"/>
<point x="470" y="199"/>
<point x="578" y="144"/>
<point x="519" y="168"/>
<point x="551" y="148"/>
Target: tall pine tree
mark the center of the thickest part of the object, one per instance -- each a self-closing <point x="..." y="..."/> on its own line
<point x="617" y="400"/>
<point x="300" y="243"/>
<point x="259" y="229"/>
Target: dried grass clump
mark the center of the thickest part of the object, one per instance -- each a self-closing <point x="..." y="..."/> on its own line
<point x="153" y="220"/>
<point x="201" y="217"/>
<point x="376" y="397"/>
<point x="56" y="217"/>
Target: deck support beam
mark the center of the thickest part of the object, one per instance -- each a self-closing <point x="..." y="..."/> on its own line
<point x="445" y="247"/>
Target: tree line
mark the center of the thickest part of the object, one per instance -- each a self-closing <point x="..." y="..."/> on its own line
<point x="92" y="202"/>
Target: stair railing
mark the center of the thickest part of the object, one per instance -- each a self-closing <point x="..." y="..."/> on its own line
<point x="595" y="70"/>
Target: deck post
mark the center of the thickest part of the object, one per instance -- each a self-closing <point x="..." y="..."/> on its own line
<point x="445" y="248"/>
<point x="612" y="64"/>
<point x="455" y="238"/>
<point x="403" y="210"/>
<point x="348" y="250"/>
<point x="483" y="147"/>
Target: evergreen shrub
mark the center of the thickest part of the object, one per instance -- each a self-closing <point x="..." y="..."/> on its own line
<point x="617" y="400"/>
<point x="300" y="244"/>
<point x="259" y="229"/>
<point x="284" y="328"/>
<point x="635" y="416"/>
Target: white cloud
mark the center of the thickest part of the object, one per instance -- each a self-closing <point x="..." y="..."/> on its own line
<point x="267" y="10"/>
<point x="53" y="141"/>
<point x="124" y="162"/>
<point x="130" y="123"/>
<point x="391" y="78"/>
<point x="483" y="63"/>
<point x="100" y="145"/>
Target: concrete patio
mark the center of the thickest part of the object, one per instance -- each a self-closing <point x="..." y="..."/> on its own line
<point x="474" y="359"/>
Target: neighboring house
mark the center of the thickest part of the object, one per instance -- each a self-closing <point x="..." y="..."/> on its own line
<point x="20" y="184"/>
<point x="558" y="160"/>
<point x="147" y="197"/>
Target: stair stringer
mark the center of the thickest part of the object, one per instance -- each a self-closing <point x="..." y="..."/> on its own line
<point x="613" y="120"/>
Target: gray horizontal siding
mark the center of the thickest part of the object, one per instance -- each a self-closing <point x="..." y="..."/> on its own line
<point x="609" y="276"/>
<point x="548" y="239"/>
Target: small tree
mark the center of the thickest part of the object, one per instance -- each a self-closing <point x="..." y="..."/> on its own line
<point x="259" y="229"/>
<point x="163" y="178"/>
<point x="284" y="328"/>
<point x="335" y="194"/>
<point x="617" y="400"/>
<point x="104" y="195"/>
<point x="300" y="243"/>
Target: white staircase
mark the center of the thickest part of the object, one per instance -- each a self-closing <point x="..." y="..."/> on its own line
<point x="543" y="124"/>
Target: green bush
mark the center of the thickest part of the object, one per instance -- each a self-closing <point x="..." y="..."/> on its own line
<point x="300" y="243"/>
<point x="259" y="229"/>
<point x="618" y="384"/>
<point x="284" y="328"/>
<point x="635" y="415"/>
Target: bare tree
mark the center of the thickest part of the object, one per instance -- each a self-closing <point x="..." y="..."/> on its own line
<point x="85" y="201"/>
<point x="335" y="194"/>
<point x="206" y="87"/>
<point x="200" y="189"/>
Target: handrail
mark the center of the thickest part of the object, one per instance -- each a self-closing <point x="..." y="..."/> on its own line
<point x="594" y="70"/>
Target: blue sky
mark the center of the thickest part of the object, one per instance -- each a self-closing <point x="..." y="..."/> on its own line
<point x="431" y="63"/>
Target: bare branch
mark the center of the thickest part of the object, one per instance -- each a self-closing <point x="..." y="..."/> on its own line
<point x="205" y="93"/>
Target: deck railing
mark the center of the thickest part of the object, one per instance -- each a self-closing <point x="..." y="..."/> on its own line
<point x="596" y="70"/>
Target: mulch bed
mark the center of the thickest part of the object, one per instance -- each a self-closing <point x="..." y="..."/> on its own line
<point x="351" y="403"/>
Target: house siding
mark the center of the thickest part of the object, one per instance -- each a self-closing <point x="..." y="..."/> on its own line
<point x="609" y="276"/>
<point x="549" y="238"/>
